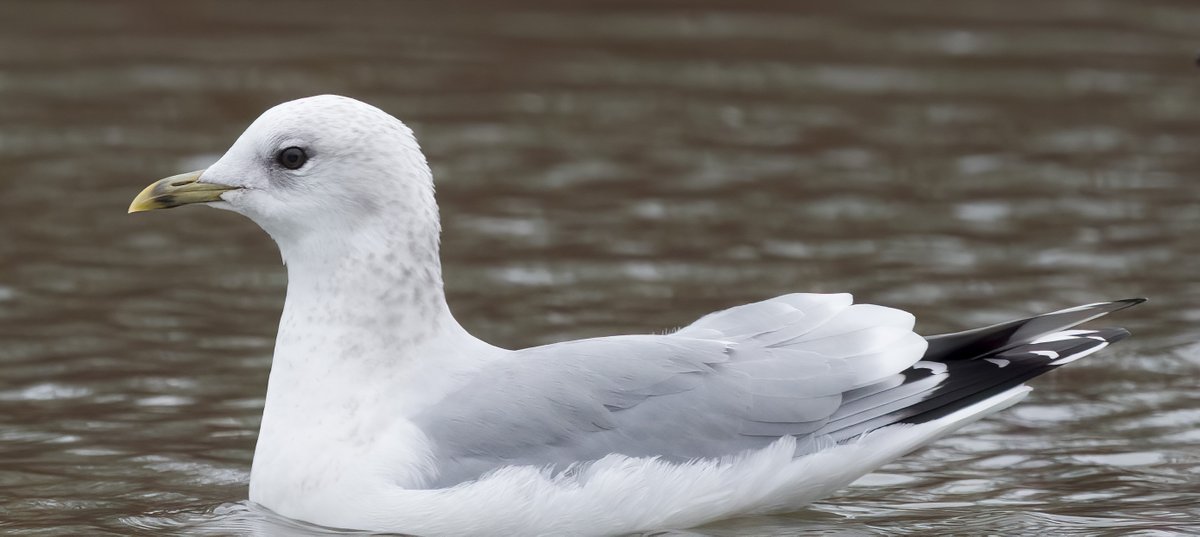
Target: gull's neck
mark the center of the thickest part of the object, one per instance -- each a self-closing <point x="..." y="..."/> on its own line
<point x="365" y="303"/>
<point x="362" y="299"/>
<point x="366" y="338"/>
<point x="379" y="285"/>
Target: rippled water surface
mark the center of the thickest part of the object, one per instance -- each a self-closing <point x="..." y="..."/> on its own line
<point x="615" y="167"/>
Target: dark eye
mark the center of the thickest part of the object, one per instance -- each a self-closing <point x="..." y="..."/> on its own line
<point x="292" y="158"/>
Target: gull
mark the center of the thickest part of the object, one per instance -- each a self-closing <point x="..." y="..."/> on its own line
<point x="383" y="413"/>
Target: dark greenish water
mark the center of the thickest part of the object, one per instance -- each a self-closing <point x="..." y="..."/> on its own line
<point x="605" y="168"/>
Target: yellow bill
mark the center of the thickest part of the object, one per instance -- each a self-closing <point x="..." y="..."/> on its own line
<point x="182" y="189"/>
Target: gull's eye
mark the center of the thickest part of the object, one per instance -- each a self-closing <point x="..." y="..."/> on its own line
<point x="292" y="158"/>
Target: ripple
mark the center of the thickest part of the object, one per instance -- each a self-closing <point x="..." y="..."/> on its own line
<point x="46" y="392"/>
<point x="1124" y="459"/>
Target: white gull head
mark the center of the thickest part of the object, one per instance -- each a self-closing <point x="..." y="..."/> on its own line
<point x="328" y="167"/>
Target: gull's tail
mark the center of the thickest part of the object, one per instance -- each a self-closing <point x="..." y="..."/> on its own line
<point x="965" y="368"/>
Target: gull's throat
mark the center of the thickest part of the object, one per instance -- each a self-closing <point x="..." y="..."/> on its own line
<point x="363" y="297"/>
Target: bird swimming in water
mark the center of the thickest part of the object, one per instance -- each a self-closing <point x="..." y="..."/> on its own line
<point x="383" y="413"/>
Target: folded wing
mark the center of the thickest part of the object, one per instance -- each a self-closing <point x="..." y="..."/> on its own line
<point x="734" y="380"/>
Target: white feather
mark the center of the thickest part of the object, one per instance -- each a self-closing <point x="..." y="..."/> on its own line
<point x="619" y="495"/>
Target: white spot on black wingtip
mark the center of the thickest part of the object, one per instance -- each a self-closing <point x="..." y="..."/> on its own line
<point x="1063" y="335"/>
<point x="1092" y="340"/>
<point x="1000" y="362"/>
<point x="937" y="368"/>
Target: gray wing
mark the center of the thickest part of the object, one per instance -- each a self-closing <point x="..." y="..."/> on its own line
<point x="734" y="380"/>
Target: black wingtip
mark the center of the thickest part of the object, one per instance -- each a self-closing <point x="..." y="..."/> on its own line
<point x="1113" y="335"/>
<point x="1131" y="302"/>
<point x="999" y="337"/>
<point x="1118" y="305"/>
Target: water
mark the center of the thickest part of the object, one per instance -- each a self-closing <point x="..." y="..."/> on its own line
<point x="606" y="168"/>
